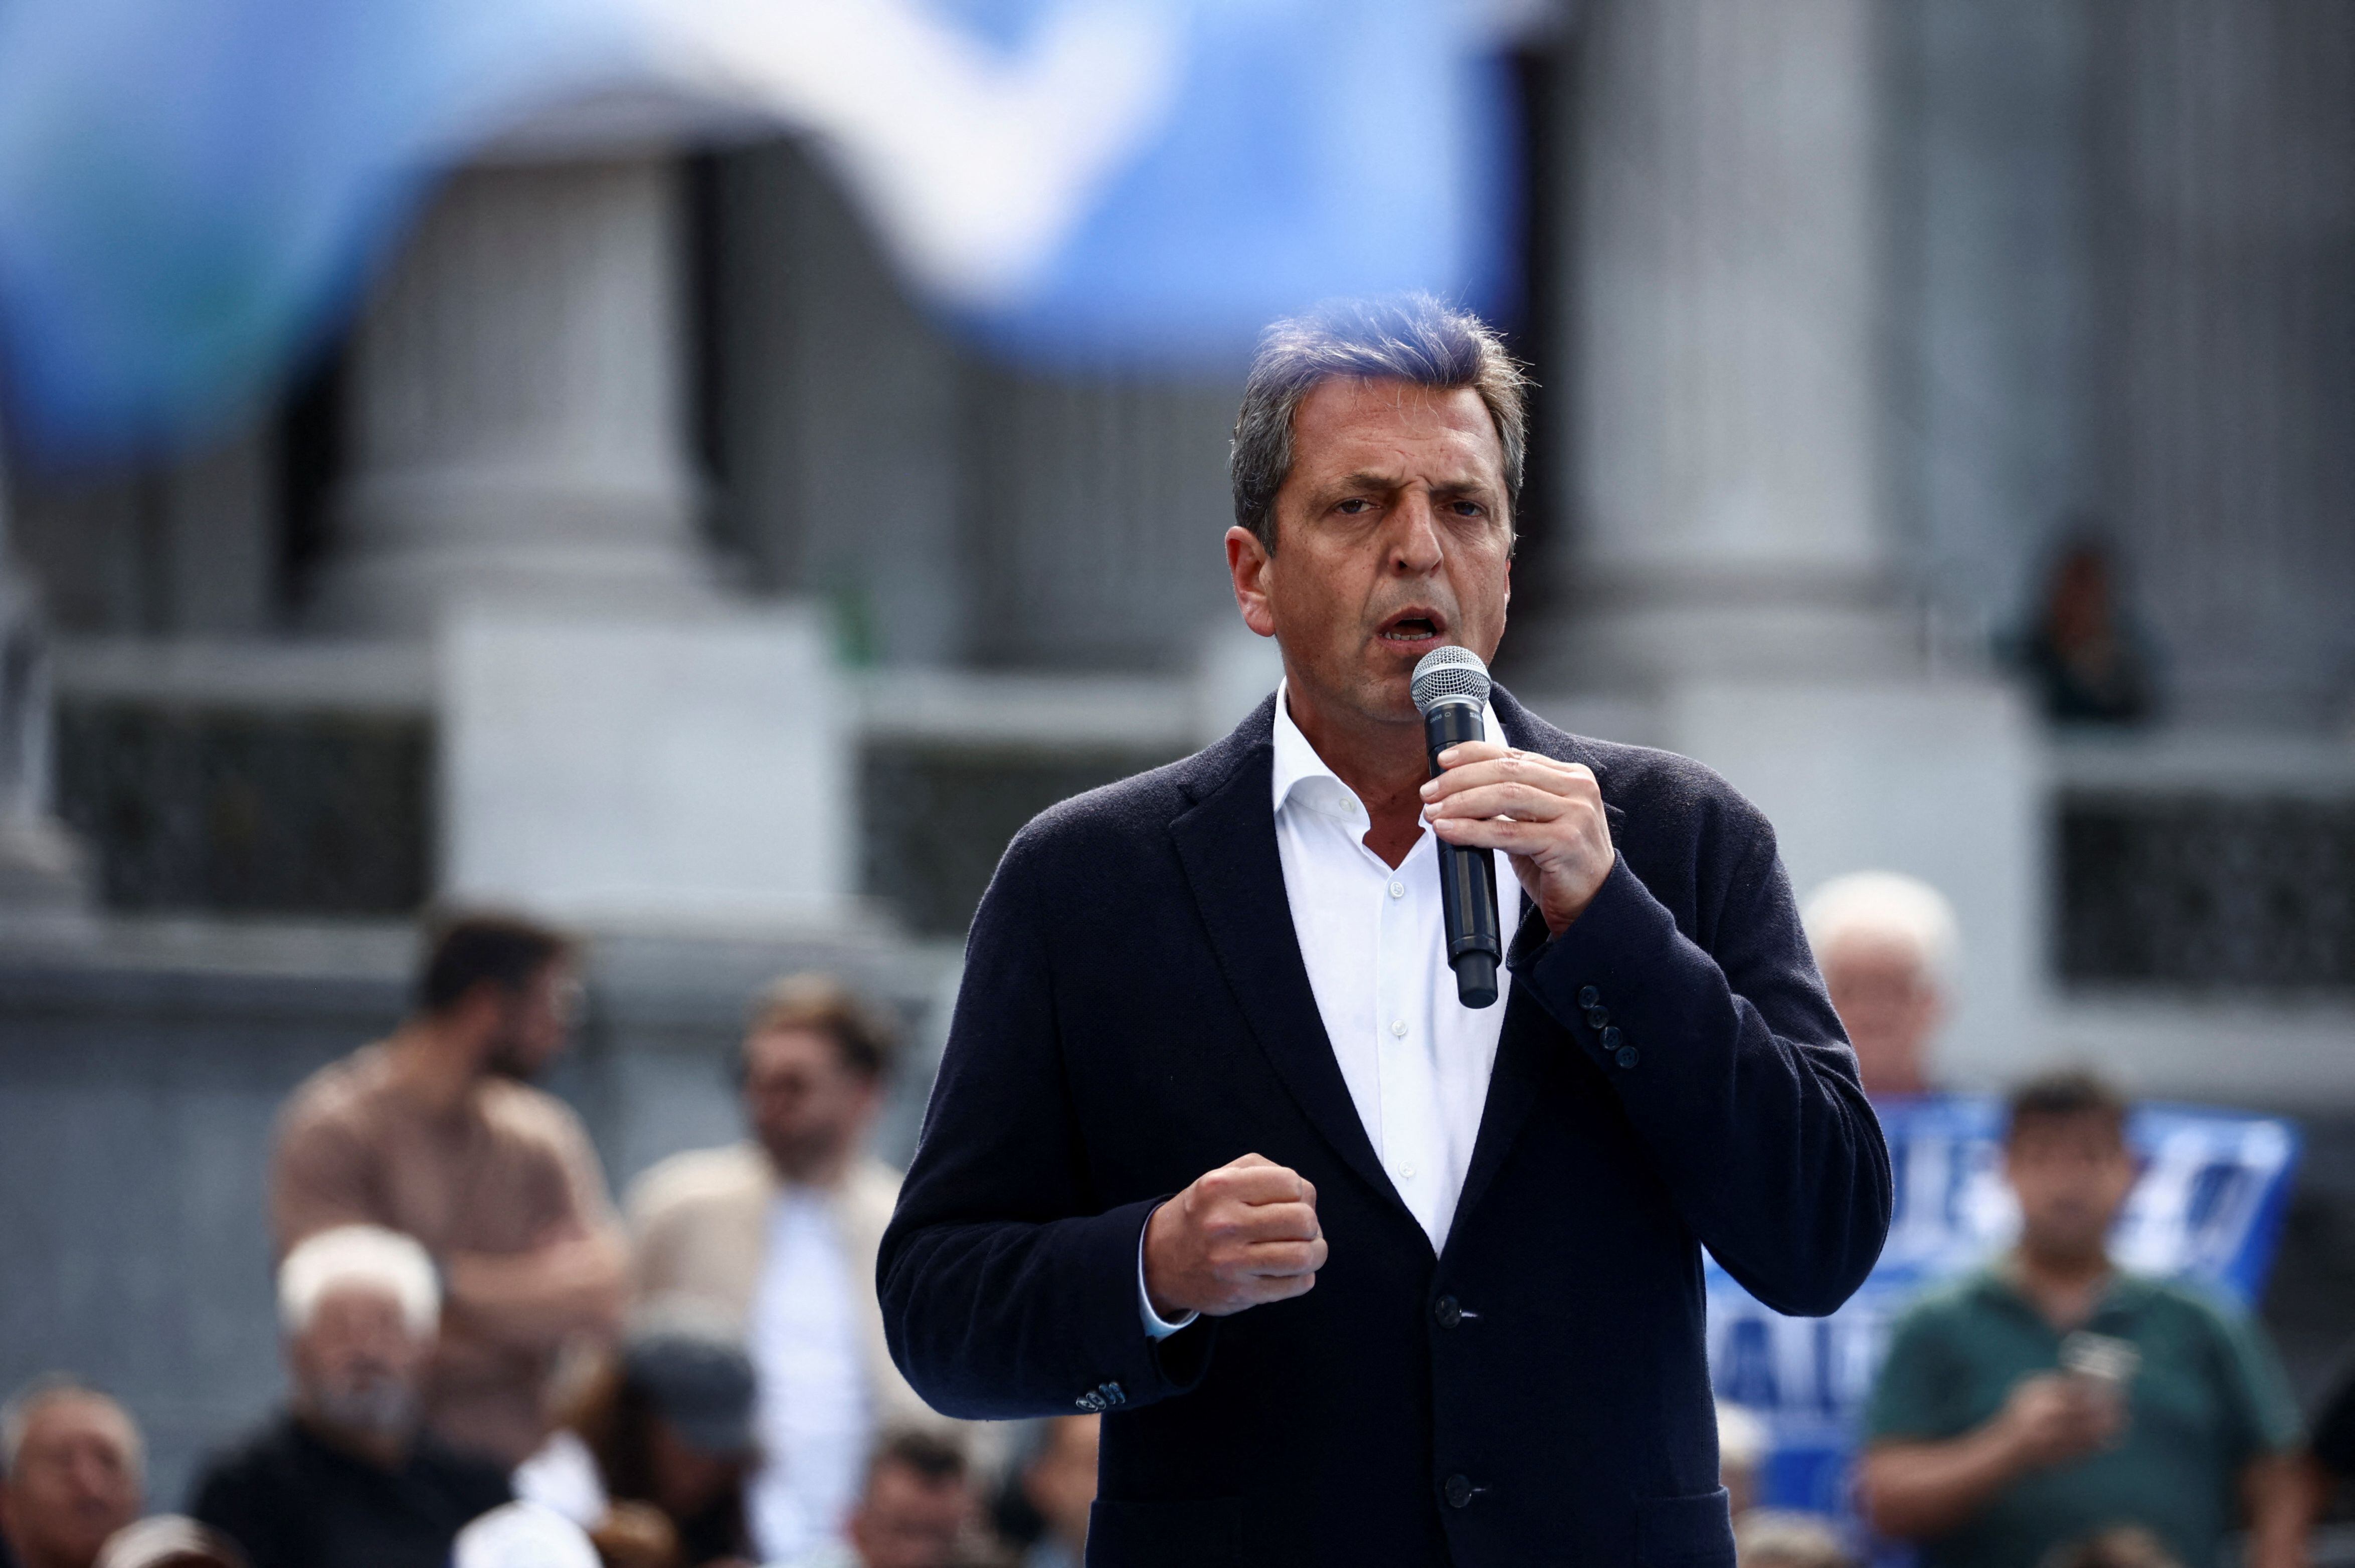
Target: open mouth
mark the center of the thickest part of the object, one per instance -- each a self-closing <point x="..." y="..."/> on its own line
<point x="1412" y="626"/>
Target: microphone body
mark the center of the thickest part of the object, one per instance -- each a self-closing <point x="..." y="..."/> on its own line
<point x="1467" y="877"/>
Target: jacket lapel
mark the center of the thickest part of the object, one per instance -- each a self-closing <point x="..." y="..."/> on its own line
<point x="1528" y="1034"/>
<point x="1227" y="844"/>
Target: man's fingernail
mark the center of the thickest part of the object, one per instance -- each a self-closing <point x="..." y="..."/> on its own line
<point x="1447" y="757"/>
<point x="1429" y="787"/>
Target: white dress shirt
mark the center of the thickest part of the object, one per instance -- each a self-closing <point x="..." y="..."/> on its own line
<point x="813" y="1412"/>
<point x="1374" y="941"/>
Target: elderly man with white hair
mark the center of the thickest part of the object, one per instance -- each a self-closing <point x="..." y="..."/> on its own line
<point x="346" y="1476"/>
<point x="1886" y="944"/>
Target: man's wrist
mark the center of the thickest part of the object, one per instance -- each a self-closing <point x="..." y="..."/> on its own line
<point x="1157" y="1327"/>
<point x="2003" y="1451"/>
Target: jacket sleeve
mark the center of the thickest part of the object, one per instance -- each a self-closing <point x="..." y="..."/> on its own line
<point x="1732" y="1069"/>
<point x="1007" y="1290"/>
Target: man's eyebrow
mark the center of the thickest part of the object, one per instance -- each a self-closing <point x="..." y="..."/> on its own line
<point x="1367" y="479"/>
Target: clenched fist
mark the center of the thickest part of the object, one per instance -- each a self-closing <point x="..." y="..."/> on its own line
<point x="1242" y="1235"/>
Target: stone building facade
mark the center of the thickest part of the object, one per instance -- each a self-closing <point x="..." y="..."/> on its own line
<point x="1849" y="313"/>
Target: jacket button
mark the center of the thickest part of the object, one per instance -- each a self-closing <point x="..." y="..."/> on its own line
<point x="1589" y="997"/>
<point x="1596" y="1017"/>
<point x="1457" y="1489"/>
<point x="1627" y="1057"/>
<point x="1611" y="1038"/>
<point x="1448" y="1310"/>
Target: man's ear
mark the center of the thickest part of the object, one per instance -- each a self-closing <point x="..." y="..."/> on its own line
<point x="1248" y="565"/>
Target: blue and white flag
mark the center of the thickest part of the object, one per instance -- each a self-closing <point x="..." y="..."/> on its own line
<point x="2207" y="1208"/>
<point x="192" y="192"/>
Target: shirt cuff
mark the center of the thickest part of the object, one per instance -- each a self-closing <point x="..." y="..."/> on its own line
<point x="1157" y="1327"/>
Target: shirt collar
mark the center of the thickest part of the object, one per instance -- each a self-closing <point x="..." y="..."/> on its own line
<point x="1998" y="1280"/>
<point x="1301" y="774"/>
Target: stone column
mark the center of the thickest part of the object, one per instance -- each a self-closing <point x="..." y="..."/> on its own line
<point x="1730" y="585"/>
<point x="41" y="867"/>
<point x="2226" y="386"/>
<point x="840" y="404"/>
<point x="1725" y="426"/>
<point x="516" y="425"/>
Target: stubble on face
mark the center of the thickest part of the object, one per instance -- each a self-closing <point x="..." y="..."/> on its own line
<point x="1394" y="537"/>
<point x="535" y="1023"/>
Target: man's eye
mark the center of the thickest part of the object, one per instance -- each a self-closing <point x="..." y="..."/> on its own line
<point x="1354" y="505"/>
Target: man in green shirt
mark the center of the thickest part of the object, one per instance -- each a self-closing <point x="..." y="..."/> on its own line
<point x="2052" y="1395"/>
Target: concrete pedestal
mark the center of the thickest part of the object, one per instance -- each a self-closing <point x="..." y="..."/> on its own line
<point x="622" y="771"/>
<point x="1939" y="779"/>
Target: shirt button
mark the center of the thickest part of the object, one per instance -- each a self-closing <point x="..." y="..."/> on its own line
<point x="1398" y="890"/>
<point x="1406" y="1172"/>
<point x="1398" y="1027"/>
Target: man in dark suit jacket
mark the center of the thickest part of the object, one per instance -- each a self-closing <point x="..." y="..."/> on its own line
<point x="1167" y="1113"/>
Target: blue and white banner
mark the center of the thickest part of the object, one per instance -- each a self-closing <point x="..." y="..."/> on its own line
<point x="194" y="191"/>
<point x="2208" y="1207"/>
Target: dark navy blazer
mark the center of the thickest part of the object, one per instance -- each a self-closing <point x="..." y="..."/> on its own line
<point x="1136" y="1012"/>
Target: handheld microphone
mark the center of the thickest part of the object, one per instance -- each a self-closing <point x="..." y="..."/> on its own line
<point x="1451" y="691"/>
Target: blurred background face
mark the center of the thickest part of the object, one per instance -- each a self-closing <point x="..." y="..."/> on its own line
<point x="529" y="1028"/>
<point x="2071" y="1174"/>
<point x="75" y="1482"/>
<point x="909" y="1521"/>
<point x="688" y="1479"/>
<point x="1891" y="1005"/>
<point x="1394" y="537"/>
<point x="1062" y="1481"/>
<point x="357" y="1364"/>
<point x="809" y="1107"/>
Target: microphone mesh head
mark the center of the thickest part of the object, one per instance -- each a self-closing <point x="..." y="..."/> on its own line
<point x="1446" y="672"/>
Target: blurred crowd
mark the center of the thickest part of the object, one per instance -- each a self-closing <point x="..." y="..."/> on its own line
<point x="489" y="1365"/>
<point x="485" y="1358"/>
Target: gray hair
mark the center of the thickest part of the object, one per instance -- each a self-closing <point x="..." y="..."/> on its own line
<point x="1414" y="338"/>
<point x="1889" y="905"/>
<point x="370" y="1255"/>
<point x="52" y="1388"/>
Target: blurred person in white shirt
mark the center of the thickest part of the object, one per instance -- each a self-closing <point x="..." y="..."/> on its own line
<point x="776" y="1235"/>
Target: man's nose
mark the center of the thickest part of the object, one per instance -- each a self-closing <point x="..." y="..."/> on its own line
<point x="91" y="1477"/>
<point x="1415" y="541"/>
